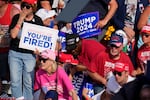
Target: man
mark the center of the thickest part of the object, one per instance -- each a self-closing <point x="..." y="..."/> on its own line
<point x="132" y="90"/>
<point x="144" y="51"/>
<point x="100" y="69"/>
<point x="117" y="80"/>
<point x="83" y="49"/>
<point x="126" y="18"/>
<point x="120" y="77"/>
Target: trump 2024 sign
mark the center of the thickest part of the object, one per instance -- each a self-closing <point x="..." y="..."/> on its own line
<point x="38" y="37"/>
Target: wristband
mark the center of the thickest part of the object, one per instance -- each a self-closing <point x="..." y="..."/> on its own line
<point x="17" y="26"/>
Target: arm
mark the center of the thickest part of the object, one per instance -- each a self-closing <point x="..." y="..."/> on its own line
<point x="14" y="31"/>
<point x="84" y="93"/>
<point x="14" y="11"/>
<point x="113" y="7"/>
<point x="81" y="67"/>
<point x="73" y="94"/>
<point x="129" y="32"/>
<point x="95" y="76"/>
<point x="144" y="18"/>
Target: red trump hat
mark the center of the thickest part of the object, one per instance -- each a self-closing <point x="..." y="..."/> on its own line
<point x="30" y="1"/>
<point x="120" y="67"/>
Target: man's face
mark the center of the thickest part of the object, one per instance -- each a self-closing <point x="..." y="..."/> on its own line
<point x="121" y="77"/>
<point x="77" y="50"/>
<point x="114" y="50"/>
<point x="2" y="2"/>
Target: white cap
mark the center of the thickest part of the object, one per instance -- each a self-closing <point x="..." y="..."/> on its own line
<point x="44" y="14"/>
<point x="123" y="34"/>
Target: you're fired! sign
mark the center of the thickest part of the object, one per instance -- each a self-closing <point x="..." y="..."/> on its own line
<point x="38" y="37"/>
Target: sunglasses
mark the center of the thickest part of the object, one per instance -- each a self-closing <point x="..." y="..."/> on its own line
<point x="117" y="73"/>
<point x="24" y="4"/>
<point x="146" y="35"/>
<point x="42" y="59"/>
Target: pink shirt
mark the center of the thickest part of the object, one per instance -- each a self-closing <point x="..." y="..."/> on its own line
<point x="48" y="82"/>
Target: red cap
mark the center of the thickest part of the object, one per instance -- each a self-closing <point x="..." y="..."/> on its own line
<point x="67" y="58"/>
<point x="120" y="67"/>
<point x="146" y="29"/>
<point x="30" y="1"/>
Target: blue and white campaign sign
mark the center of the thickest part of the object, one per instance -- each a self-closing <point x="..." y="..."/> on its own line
<point x="84" y="25"/>
<point x="38" y="37"/>
<point x="78" y="82"/>
<point x="62" y="39"/>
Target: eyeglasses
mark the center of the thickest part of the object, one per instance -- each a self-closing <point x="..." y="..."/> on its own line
<point x="24" y="4"/>
<point x="113" y="46"/>
<point x="117" y="73"/>
<point x="146" y="35"/>
<point x="42" y="59"/>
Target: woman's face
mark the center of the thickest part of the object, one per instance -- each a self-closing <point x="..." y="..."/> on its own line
<point x="46" y="64"/>
<point x="26" y="8"/>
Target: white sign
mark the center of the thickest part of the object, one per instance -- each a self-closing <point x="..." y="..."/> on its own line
<point x="38" y="37"/>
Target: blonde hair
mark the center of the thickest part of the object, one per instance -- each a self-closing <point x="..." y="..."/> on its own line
<point x="34" y="7"/>
<point x="54" y="66"/>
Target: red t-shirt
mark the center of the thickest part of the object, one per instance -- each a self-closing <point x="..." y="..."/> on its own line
<point x="103" y="64"/>
<point x="143" y="55"/>
<point x="6" y="19"/>
<point x="90" y="48"/>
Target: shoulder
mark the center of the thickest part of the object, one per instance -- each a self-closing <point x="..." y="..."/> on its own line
<point x="40" y="72"/>
<point x="38" y="20"/>
<point x="123" y="54"/>
<point x="60" y="69"/>
<point x="14" y="10"/>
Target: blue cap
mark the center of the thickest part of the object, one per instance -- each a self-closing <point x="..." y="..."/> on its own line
<point x="51" y="94"/>
<point x="116" y="40"/>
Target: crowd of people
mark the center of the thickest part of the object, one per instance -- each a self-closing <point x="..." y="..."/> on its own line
<point x="116" y="68"/>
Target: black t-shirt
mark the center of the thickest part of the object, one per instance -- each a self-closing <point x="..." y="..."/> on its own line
<point x="14" y="44"/>
<point x="96" y="5"/>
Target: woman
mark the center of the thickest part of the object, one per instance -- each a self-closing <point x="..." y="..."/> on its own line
<point x="22" y="61"/>
<point x="53" y="77"/>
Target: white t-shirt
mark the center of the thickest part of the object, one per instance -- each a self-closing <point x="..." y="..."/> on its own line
<point x="113" y="86"/>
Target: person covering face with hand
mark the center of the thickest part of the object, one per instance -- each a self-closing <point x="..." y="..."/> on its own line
<point x="22" y="61"/>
